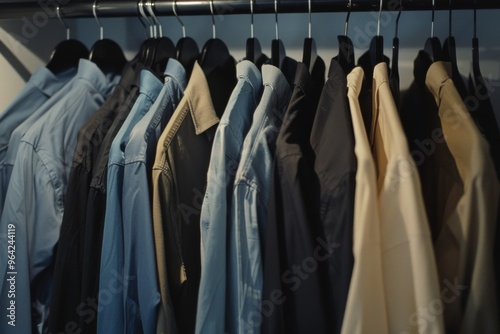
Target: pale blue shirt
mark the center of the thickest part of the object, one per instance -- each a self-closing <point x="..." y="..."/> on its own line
<point x="111" y="317"/>
<point x="250" y="197"/>
<point x="34" y="204"/>
<point x="142" y="296"/>
<point x="226" y="153"/>
<point x="42" y="85"/>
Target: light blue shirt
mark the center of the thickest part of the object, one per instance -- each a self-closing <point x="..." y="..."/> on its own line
<point x="228" y="142"/>
<point x="34" y="205"/>
<point x="142" y="296"/>
<point x="42" y="85"/>
<point x="111" y="312"/>
<point x="249" y="205"/>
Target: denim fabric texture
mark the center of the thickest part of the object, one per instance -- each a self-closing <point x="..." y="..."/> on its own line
<point x="111" y="318"/>
<point x="215" y="212"/>
<point x="249" y="203"/>
<point x="37" y="189"/>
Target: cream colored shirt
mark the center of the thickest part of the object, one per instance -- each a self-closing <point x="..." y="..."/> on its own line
<point x="366" y="310"/>
<point x="410" y="274"/>
<point x="464" y="247"/>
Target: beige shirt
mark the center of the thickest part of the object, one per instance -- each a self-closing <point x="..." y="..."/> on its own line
<point x="366" y="310"/>
<point x="464" y="247"/>
<point x="410" y="274"/>
<point x="179" y="179"/>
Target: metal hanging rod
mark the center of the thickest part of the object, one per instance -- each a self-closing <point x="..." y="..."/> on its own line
<point x="128" y="8"/>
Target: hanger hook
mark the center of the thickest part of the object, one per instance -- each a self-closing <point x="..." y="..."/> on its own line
<point x="101" y="28"/>
<point x="148" y="20"/>
<point x="174" y="9"/>
<point x="379" y="16"/>
<point x="348" y="17"/>
<point x="450" y="19"/>
<point x="158" y="27"/>
<point x="214" y="33"/>
<point x="276" y="18"/>
<point x="433" y="15"/>
<point x="251" y="18"/>
<point x="58" y="11"/>
<point x="475" y="19"/>
<point x="310" y="24"/>
<point x="139" y="3"/>
<point x="398" y="17"/>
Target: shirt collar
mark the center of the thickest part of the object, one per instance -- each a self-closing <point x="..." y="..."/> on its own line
<point x="380" y="75"/>
<point x="89" y="71"/>
<point x="248" y="71"/>
<point x="303" y="79"/>
<point x="200" y="102"/>
<point x="150" y="85"/>
<point x="128" y="75"/>
<point x="272" y="76"/>
<point x="336" y="74"/>
<point x="439" y="72"/>
<point x="355" y="80"/>
<point x="48" y="82"/>
<point x="176" y="71"/>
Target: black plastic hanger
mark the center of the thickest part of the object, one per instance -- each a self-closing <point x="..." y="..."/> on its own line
<point x="287" y="65"/>
<point x="345" y="56"/>
<point x="105" y="53"/>
<point x="377" y="44"/>
<point x="394" y="78"/>
<point x="67" y="54"/>
<point x="278" y="53"/>
<point x="253" y="48"/>
<point x="476" y="69"/>
<point x="164" y="48"/>
<point x="215" y="53"/>
<point x="377" y="50"/>
<point x="148" y="44"/>
<point x="449" y="45"/>
<point x="432" y="44"/>
<point x="146" y="51"/>
<point x="187" y="50"/>
<point x="450" y="55"/>
<point x="483" y="112"/>
<point x="310" y="53"/>
<point x="219" y="68"/>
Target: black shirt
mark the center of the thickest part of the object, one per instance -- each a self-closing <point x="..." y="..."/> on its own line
<point x="69" y="287"/>
<point x="332" y="139"/>
<point x="293" y="217"/>
<point x="308" y="253"/>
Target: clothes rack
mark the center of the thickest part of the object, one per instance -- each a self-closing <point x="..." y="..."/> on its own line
<point x="122" y="8"/>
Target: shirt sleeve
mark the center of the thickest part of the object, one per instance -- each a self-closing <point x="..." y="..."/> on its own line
<point x="163" y="246"/>
<point x="111" y="317"/>
<point x="245" y="260"/>
<point x="33" y="209"/>
<point x="210" y="316"/>
<point x="141" y="295"/>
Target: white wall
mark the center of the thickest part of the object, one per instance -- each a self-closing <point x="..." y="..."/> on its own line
<point x="19" y="55"/>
